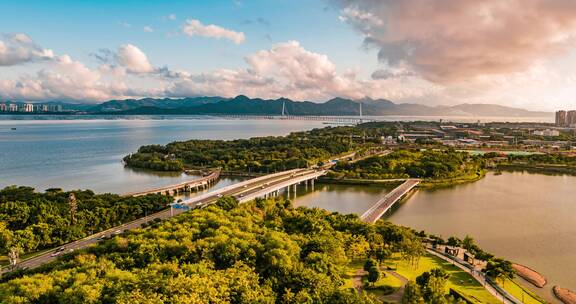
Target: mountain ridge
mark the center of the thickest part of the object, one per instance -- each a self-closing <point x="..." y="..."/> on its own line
<point x="243" y="105"/>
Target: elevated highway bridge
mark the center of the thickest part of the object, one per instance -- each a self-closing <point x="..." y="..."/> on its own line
<point x="187" y="186"/>
<point x="380" y="207"/>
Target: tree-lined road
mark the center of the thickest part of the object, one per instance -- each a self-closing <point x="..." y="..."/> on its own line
<point x="239" y="190"/>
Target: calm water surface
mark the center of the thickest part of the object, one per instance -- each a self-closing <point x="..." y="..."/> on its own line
<point x="87" y="154"/>
<point x="526" y="218"/>
<point x="339" y="198"/>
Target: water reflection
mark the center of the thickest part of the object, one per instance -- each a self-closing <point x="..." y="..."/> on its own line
<point x="524" y="217"/>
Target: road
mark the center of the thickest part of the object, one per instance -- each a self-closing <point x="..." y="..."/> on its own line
<point x="384" y="204"/>
<point x="237" y="190"/>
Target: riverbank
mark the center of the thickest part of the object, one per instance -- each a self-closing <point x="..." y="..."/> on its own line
<point x="530" y="275"/>
<point x="463" y="179"/>
<point x="565" y="295"/>
<point x="539" y="168"/>
<point x="394" y="182"/>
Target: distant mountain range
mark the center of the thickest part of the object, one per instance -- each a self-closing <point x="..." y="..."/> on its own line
<point x="242" y="105"/>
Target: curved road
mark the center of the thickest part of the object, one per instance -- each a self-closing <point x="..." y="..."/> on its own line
<point x="238" y="190"/>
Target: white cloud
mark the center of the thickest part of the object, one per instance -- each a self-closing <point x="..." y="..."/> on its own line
<point x="64" y="78"/>
<point x="300" y="70"/>
<point x="171" y="17"/>
<point x="285" y="70"/>
<point x="19" y="48"/>
<point x="136" y="61"/>
<point x="453" y="41"/>
<point x="194" y="27"/>
<point x="148" y="29"/>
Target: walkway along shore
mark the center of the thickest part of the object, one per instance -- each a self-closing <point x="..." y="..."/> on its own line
<point x="488" y="284"/>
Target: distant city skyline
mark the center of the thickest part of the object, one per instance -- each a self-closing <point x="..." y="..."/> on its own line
<point x="514" y="53"/>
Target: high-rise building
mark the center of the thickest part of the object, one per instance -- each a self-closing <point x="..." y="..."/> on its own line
<point x="3" y="107"/>
<point x="13" y="107"/>
<point x="561" y="118"/>
<point x="571" y="118"/>
<point x="28" y="107"/>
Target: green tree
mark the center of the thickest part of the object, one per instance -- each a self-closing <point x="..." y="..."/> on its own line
<point x="369" y="264"/>
<point x="412" y="294"/>
<point x="453" y="242"/>
<point x="373" y="275"/>
<point x="500" y="269"/>
<point x="227" y="203"/>
<point x="468" y="243"/>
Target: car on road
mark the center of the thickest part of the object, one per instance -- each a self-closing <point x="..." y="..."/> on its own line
<point x="55" y="253"/>
<point x="117" y="232"/>
<point x="245" y="186"/>
<point x="219" y="195"/>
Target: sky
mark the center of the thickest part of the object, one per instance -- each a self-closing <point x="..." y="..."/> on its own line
<point x="517" y="53"/>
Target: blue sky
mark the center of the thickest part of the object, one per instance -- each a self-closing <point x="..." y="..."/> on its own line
<point x="79" y="28"/>
<point x="445" y="52"/>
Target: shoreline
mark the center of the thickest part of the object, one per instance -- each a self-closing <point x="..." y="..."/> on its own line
<point x="565" y="295"/>
<point x="530" y="275"/>
<point x="425" y="184"/>
<point x="538" y="168"/>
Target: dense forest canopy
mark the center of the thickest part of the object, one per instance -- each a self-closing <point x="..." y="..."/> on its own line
<point x="259" y="154"/>
<point x="32" y="221"/>
<point x="549" y="158"/>
<point x="430" y="164"/>
<point x="259" y="252"/>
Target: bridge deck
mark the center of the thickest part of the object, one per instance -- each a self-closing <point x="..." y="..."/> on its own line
<point x="385" y="203"/>
<point x="191" y="183"/>
<point x="293" y="180"/>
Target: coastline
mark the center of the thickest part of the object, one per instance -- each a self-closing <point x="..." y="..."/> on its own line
<point x="565" y="295"/>
<point x="530" y="275"/>
<point x="538" y="168"/>
<point x="426" y="184"/>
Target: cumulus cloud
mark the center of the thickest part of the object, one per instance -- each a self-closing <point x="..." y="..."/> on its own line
<point x="134" y="59"/>
<point x="285" y="70"/>
<point x="64" y="78"/>
<point x="148" y="29"/>
<point x="194" y="27"/>
<point x="19" y="48"/>
<point x="301" y="70"/>
<point x="453" y="41"/>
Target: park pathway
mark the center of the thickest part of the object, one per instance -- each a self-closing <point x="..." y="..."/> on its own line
<point x="396" y="297"/>
<point x="357" y="280"/>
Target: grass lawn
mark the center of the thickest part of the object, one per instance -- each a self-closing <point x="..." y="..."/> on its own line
<point x="459" y="280"/>
<point x="387" y="280"/>
<point x="517" y="290"/>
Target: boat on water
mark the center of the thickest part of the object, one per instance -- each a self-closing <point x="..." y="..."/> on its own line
<point x="12" y="129"/>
